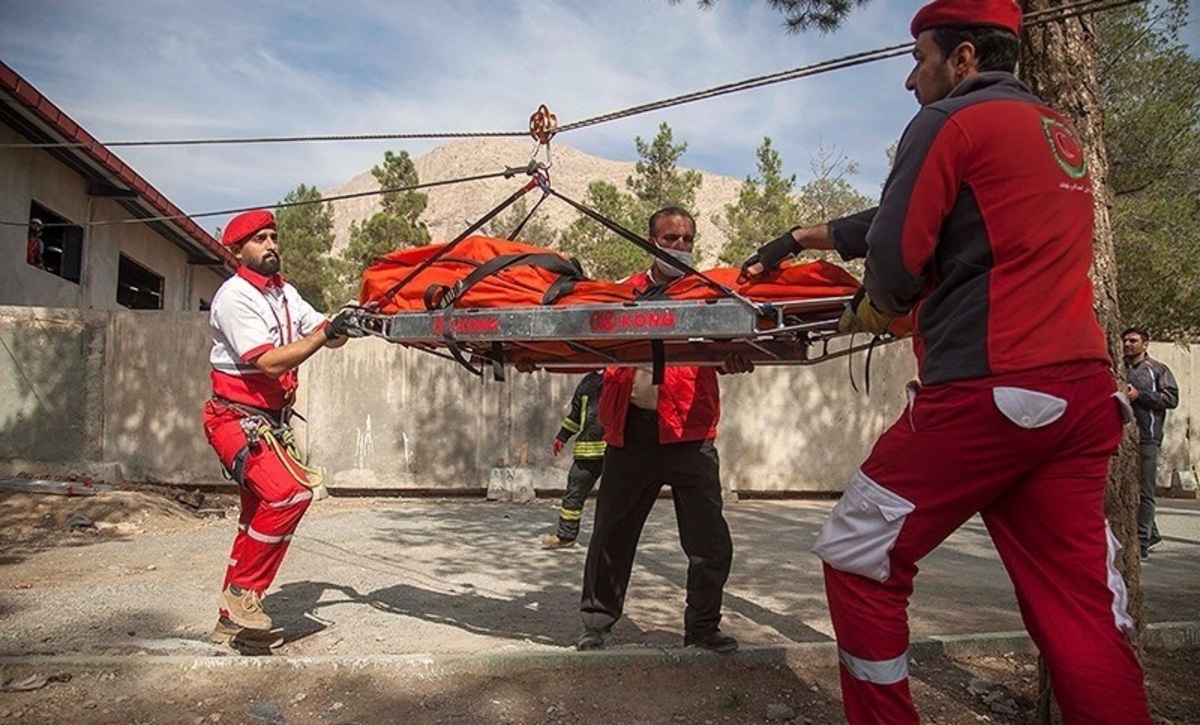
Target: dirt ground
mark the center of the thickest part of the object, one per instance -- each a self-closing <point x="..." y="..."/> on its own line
<point x="705" y="689"/>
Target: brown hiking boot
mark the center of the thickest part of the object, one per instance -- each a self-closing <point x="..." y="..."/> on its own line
<point x="231" y="635"/>
<point x="244" y="608"/>
<point x="551" y="541"/>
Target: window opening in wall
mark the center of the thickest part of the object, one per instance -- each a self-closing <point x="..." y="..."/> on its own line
<point x="55" y="244"/>
<point x="138" y="288"/>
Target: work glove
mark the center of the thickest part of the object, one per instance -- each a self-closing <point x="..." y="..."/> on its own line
<point x="558" y="446"/>
<point x="773" y="252"/>
<point x="861" y="316"/>
<point x="342" y="325"/>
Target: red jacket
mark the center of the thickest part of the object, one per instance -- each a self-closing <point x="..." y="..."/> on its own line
<point x="689" y="399"/>
<point x="985" y="232"/>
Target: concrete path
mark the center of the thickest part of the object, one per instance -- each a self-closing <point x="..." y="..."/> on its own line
<point x="407" y="577"/>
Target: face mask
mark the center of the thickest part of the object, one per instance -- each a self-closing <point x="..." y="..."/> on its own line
<point x="671" y="272"/>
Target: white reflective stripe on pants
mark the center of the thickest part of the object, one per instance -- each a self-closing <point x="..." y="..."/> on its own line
<point x="266" y="539"/>
<point x="879" y="672"/>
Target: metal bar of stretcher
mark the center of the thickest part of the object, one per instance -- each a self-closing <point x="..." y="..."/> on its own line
<point x="694" y="332"/>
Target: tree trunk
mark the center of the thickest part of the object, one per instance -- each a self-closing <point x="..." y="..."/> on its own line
<point x="1059" y="62"/>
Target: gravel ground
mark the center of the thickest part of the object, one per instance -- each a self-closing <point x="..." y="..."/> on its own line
<point x="401" y="610"/>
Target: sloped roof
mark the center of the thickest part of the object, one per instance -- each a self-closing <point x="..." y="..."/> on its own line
<point x="34" y="116"/>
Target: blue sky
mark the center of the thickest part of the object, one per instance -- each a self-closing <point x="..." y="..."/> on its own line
<point x="146" y="69"/>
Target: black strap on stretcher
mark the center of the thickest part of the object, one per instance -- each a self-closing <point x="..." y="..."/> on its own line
<point x="657" y="349"/>
<point x="513" y="234"/>
<point x="569" y="272"/>
<point x="534" y="182"/>
<point x="646" y="246"/>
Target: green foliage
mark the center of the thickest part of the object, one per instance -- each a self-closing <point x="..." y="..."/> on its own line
<point x="765" y="207"/>
<point x="536" y="231"/>
<point x="830" y="195"/>
<point x="306" y="236"/>
<point x="657" y="183"/>
<point x="604" y="254"/>
<point x="1151" y="94"/>
<point x="397" y="225"/>
<point x="800" y="15"/>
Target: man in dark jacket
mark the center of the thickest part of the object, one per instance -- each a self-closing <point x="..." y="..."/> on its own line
<point x="983" y="233"/>
<point x="582" y="422"/>
<point x="1152" y="391"/>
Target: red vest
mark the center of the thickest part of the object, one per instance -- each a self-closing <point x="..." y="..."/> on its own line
<point x="689" y="399"/>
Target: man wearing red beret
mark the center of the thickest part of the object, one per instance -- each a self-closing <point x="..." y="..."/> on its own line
<point x="984" y="234"/>
<point x="262" y="331"/>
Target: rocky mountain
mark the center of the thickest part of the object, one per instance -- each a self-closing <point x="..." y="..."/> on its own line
<point x="454" y="207"/>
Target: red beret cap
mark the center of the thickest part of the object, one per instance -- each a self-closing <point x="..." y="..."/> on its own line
<point x="247" y="224"/>
<point x="1005" y="14"/>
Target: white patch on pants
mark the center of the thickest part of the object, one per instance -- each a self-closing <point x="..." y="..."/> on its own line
<point x="861" y="530"/>
<point x="1126" y="409"/>
<point x="1028" y="408"/>
<point x="1116" y="584"/>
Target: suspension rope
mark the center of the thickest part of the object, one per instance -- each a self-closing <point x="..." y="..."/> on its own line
<point x="508" y="173"/>
<point x="1056" y="14"/>
<point x="654" y="251"/>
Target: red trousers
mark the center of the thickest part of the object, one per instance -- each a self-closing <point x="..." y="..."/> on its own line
<point x="273" y="501"/>
<point x="1030" y="453"/>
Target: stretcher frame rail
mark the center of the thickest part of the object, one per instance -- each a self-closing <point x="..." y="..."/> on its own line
<point x="679" y="332"/>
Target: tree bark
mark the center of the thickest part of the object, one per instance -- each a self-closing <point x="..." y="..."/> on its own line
<point x="1060" y="63"/>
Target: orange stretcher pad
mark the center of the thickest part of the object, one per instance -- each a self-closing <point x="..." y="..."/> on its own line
<point x="501" y="301"/>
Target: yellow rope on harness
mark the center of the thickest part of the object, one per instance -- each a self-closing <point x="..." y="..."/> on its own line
<point x="285" y="449"/>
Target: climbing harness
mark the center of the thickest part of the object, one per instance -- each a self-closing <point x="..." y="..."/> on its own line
<point x="263" y="427"/>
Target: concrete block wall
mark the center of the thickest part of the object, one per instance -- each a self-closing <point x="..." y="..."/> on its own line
<point x="116" y="396"/>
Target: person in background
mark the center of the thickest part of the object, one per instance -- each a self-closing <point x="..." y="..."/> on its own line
<point x="983" y="233"/>
<point x="583" y="423"/>
<point x="1152" y="391"/>
<point x="34" y="247"/>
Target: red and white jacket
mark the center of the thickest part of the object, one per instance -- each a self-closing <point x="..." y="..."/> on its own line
<point x="250" y="315"/>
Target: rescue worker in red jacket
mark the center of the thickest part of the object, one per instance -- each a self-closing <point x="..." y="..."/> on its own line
<point x="660" y="435"/>
<point x="984" y="233"/>
<point x="262" y="331"/>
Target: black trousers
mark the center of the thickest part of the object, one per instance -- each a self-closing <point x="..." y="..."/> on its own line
<point x="1148" y="466"/>
<point x="581" y="479"/>
<point x="634" y="474"/>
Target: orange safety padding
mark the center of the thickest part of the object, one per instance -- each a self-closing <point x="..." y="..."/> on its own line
<point x="525" y="285"/>
<point x="805" y="280"/>
<point x="516" y="286"/>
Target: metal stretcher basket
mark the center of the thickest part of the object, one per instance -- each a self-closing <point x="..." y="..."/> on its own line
<point x="642" y="333"/>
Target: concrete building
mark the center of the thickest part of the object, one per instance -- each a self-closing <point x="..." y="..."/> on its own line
<point x="80" y="229"/>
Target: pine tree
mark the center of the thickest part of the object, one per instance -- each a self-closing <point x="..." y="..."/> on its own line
<point x="536" y="230"/>
<point x="605" y="254"/>
<point x="765" y="206"/>
<point x="1151" y="94"/>
<point x="657" y="183"/>
<point x="305" y="227"/>
<point x="397" y="225"/>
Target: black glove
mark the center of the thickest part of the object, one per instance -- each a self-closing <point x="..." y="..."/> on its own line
<point x="341" y="326"/>
<point x="773" y="252"/>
